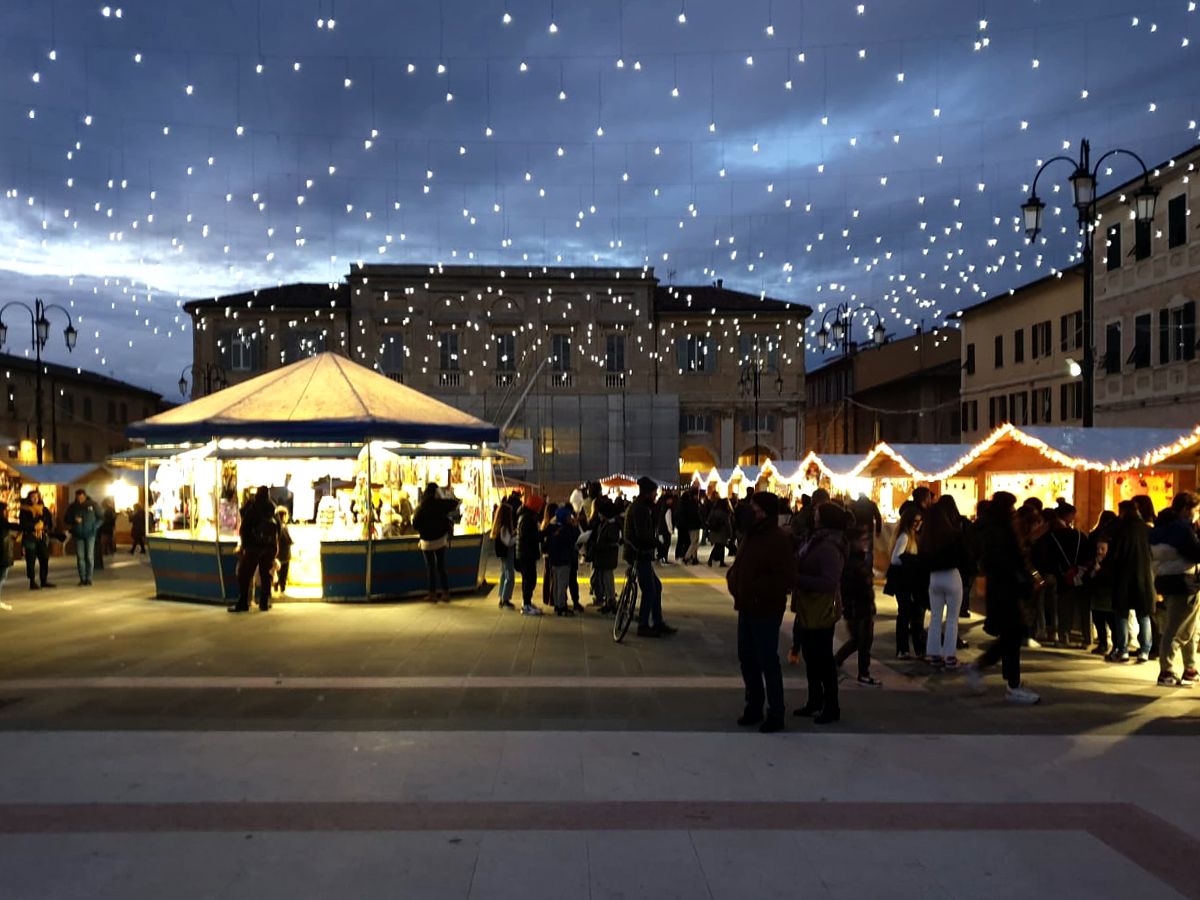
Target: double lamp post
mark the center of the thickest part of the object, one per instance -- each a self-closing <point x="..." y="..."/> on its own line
<point x="838" y="335"/>
<point x="1083" y="188"/>
<point x="40" y="332"/>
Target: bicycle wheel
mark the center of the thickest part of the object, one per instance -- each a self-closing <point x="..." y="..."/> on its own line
<point x="625" y="608"/>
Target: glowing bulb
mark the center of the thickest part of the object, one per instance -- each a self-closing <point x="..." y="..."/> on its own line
<point x="411" y="68"/>
<point x="258" y="69"/>
<point x="36" y="77"/>
<point x="620" y="63"/>
<point x="562" y="95"/>
<point x="770" y="29"/>
<point x="52" y="55"/>
<point x="675" y="92"/>
<point x="682" y="18"/>
<point x="487" y="131"/>
<point x="189" y="89"/>
<point x="749" y="60"/>
<point x="506" y="19"/>
<point x="441" y="68"/>
<point x="1035" y="63"/>
<point x="524" y="67"/>
<point x="347" y="83"/>
<point x="296" y="66"/>
<point x="599" y="131"/>
<point x="240" y="130"/>
<point x="553" y="28"/>
<point x="449" y="96"/>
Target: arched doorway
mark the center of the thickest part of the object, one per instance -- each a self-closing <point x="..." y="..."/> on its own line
<point x="695" y="459"/>
<point x="746" y="457"/>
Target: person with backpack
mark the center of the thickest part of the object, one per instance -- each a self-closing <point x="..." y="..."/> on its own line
<point x="719" y="530"/>
<point x="1175" y="549"/>
<point x="858" y="603"/>
<point x="433" y="522"/>
<point x="561" y="553"/>
<point x="606" y="551"/>
<point x="816" y="603"/>
<point x="504" y="545"/>
<point x="259" y="533"/>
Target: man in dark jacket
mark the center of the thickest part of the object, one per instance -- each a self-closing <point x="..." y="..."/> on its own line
<point x="1129" y="571"/>
<point x="529" y="550"/>
<point x="1175" y="549"/>
<point x="743" y="517"/>
<point x="687" y="523"/>
<point x="259" y="534"/>
<point x="759" y="581"/>
<point x="83" y="520"/>
<point x="1062" y="556"/>
<point x="640" y="547"/>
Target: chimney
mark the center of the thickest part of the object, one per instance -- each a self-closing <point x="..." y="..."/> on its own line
<point x="720" y="283"/>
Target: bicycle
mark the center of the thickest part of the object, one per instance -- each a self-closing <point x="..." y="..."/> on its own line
<point x="627" y="604"/>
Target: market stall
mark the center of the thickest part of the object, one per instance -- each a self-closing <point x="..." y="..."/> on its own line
<point x="346" y="451"/>
<point x="57" y="483"/>
<point x="892" y="471"/>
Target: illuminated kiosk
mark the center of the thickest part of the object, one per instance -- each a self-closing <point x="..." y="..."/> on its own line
<point x="834" y="472"/>
<point x="1086" y="467"/>
<point x="894" y="470"/>
<point x="346" y="449"/>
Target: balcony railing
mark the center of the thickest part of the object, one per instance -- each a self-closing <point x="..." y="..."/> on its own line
<point x="397" y="377"/>
<point x="561" y="380"/>
<point x="614" y="380"/>
<point x="504" y="379"/>
<point x="450" y="379"/>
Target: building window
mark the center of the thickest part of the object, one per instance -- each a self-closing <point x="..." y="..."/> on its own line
<point x="999" y="359"/>
<point x="969" y="419"/>
<point x="448" y="351"/>
<point x="1112" y="348"/>
<point x="1041" y="337"/>
<point x="506" y="353"/>
<point x="766" y="346"/>
<point x="696" y="353"/>
<point x="302" y="343"/>
<point x="1018" y="408"/>
<point x="969" y="366"/>
<point x="1177" y="333"/>
<point x="1042" y="411"/>
<point x="1071" y="331"/>
<point x="1018" y="346"/>
<point x="695" y="423"/>
<point x="1070" y="400"/>
<point x="614" y="354"/>
<point x="560" y="353"/>
<point x="1142" y="233"/>
<point x="1112" y="252"/>
<point x="1177" y="221"/>
<point x="1140" y="357"/>
<point x="766" y="422"/>
<point x="391" y="355"/>
<point x="68" y="405"/>
<point x="991" y="412"/>
<point x="240" y="352"/>
<point x="87" y="409"/>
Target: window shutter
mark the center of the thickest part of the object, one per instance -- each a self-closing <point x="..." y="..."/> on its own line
<point x="1164" y="336"/>
<point x="681" y="344"/>
<point x="1189" y="330"/>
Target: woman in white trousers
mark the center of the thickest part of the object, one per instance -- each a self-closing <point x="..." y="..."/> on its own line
<point x="944" y="553"/>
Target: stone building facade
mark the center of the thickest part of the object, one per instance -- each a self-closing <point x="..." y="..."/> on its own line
<point x="1017" y="354"/>
<point x="1147" y="287"/>
<point x="592" y="370"/>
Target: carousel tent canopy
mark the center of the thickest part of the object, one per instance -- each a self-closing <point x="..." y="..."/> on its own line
<point x="325" y="398"/>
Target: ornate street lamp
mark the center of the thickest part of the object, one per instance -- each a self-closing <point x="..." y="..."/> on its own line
<point x="40" y="335"/>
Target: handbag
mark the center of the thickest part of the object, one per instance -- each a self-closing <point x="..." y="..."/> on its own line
<point x="816" y="609"/>
<point x="891" y="580"/>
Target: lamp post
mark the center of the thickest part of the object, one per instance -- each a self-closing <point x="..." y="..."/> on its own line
<point x="840" y="330"/>
<point x="40" y="334"/>
<point x="750" y="385"/>
<point x="1083" y="189"/>
<point x="213" y="377"/>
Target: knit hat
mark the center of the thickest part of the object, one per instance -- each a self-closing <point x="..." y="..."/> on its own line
<point x="647" y="485"/>
<point x="563" y="515"/>
<point x="535" y="502"/>
<point x="767" y="502"/>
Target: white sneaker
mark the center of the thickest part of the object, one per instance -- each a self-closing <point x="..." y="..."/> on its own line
<point x="530" y="611"/>
<point x="974" y="680"/>
<point x="1021" y="695"/>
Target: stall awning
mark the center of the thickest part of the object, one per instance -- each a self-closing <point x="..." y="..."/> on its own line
<point x="63" y="473"/>
<point x="922" y="462"/>
<point x="323" y="399"/>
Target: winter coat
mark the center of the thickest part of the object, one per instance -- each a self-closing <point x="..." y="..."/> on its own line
<point x="84" y="519"/>
<point x="607" y="550"/>
<point x="639" y="530"/>
<point x="529" y="535"/>
<point x="1129" y="568"/>
<point x="29" y="522"/>
<point x="743" y="517"/>
<point x="260" y="529"/>
<point x="432" y="520"/>
<point x="560" y="545"/>
<point x="687" y="516"/>
<point x="858" y="586"/>
<point x="819" y="579"/>
<point x="1061" y="550"/>
<point x="718" y="523"/>
<point x="1174" y="551"/>
<point x="763" y="571"/>
<point x="1009" y="581"/>
<point x="952" y="557"/>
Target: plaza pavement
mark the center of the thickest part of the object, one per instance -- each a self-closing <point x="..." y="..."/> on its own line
<point x="159" y="749"/>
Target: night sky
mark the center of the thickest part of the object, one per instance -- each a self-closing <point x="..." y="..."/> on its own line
<point x="821" y="152"/>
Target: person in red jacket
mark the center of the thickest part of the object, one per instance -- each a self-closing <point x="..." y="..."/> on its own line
<point x="762" y="574"/>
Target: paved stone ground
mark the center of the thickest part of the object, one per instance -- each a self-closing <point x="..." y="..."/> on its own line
<point x="156" y="749"/>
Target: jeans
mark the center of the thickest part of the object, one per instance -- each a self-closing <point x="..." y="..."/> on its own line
<point x="1178" y="629"/>
<point x="508" y="574"/>
<point x="758" y="654"/>
<point x="1007" y="649"/>
<point x="562" y="575"/>
<point x="529" y="577"/>
<point x="651" y="591"/>
<point x="255" y="562"/>
<point x="606" y="587"/>
<point x="862" y="636"/>
<point x="945" y="600"/>
<point x="1121" y="634"/>
<point x="37" y="553"/>
<point x="909" y="621"/>
<point x="693" y="546"/>
<point x="817" y="646"/>
<point x="85" y="557"/>
<point x="435" y="565"/>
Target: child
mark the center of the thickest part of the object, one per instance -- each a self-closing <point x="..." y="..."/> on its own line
<point x="560" y="551"/>
<point x="605" y="554"/>
<point x="285" y="549"/>
<point x="858" y="604"/>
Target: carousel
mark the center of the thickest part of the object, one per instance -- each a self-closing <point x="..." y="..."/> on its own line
<point x="345" y="451"/>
